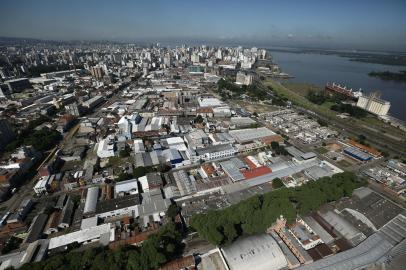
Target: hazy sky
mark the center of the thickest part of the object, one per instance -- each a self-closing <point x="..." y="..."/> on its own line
<point x="362" y="24"/>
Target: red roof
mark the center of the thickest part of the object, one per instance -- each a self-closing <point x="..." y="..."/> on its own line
<point x="256" y="172"/>
<point x="250" y="163"/>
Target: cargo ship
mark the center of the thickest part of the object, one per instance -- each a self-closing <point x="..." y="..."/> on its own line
<point x="333" y="88"/>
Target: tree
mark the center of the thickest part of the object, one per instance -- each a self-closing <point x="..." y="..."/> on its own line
<point x="274" y="145"/>
<point x="141" y="171"/>
<point x="257" y="213"/>
<point x="316" y="97"/>
<point x="125" y="152"/>
<point x="43" y="139"/>
<point x="199" y="119"/>
<point x="123" y="176"/>
<point x="172" y="211"/>
<point x="277" y="183"/>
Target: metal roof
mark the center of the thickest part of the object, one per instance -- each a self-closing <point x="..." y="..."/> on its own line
<point x="366" y="253"/>
<point x="259" y="252"/>
<point x="251" y="134"/>
<point x="232" y="170"/>
<point x="91" y="200"/>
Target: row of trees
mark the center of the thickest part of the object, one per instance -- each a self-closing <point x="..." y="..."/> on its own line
<point x="317" y="97"/>
<point x="351" y="110"/>
<point x="155" y="251"/>
<point x="278" y="149"/>
<point x="42" y="140"/>
<point x="255" y="90"/>
<point x="320" y="97"/>
<point x="256" y="214"/>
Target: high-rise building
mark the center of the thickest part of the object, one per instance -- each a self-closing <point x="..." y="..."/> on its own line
<point x="219" y="54"/>
<point x="97" y="72"/>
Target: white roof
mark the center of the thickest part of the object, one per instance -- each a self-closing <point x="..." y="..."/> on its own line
<point x="91" y="200"/>
<point x="144" y="183"/>
<point x="209" y="102"/>
<point x="250" y="134"/>
<point x="81" y="236"/>
<point x="88" y="223"/>
<point x="259" y="252"/>
<point x="41" y="182"/>
<point x="126" y="186"/>
<point x="174" y="140"/>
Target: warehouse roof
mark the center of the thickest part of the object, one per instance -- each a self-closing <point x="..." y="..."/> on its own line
<point x="130" y="186"/>
<point x="345" y="228"/>
<point x="355" y="152"/>
<point x="232" y="170"/>
<point x="91" y="200"/>
<point x="251" y="134"/>
<point x="366" y="253"/>
<point x="214" y="149"/>
<point x="117" y="203"/>
<point x="259" y="252"/>
<point x="90" y="234"/>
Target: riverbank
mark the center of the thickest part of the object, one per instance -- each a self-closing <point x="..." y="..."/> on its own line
<point x="389" y="76"/>
<point x="317" y="69"/>
<point x="377" y="130"/>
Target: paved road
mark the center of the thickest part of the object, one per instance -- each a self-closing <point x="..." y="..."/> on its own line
<point x="379" y="140"/>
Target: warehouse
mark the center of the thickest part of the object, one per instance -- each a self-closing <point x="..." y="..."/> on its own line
<point x="102" y="233"/>
<point x="345" y="228"/>
<point x="213" y="152"/>
<point x="259" y="252"/>
<point x="122" y="206"/>
<point x="251" y="134"/>
<point x="357" y="154"/>
<point x="241" y="122"/>
<point x="91" y="200"/>
<point x="232" y="169"/>
<point x="128" y="187"/>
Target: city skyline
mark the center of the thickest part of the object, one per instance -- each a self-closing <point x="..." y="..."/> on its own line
<point x="368" y="25"/>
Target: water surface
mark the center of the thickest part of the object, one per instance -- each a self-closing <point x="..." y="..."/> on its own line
<point x="319" y="69"/>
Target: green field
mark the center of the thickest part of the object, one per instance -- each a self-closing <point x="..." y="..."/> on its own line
<point x="297" y="98"/>
<point x="302" y="88"/>
<point x="321" y="150"/>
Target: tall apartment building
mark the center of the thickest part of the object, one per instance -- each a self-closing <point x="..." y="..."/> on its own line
<point x="97" y="72"/>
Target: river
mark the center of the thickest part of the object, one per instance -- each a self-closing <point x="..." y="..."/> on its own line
<point x="319" y="69"/>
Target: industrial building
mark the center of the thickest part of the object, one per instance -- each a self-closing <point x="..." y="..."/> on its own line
<point x="251" y="134"/>
<point x="121" y="206"/>
<point x="374" y="104"/>
<point x="357" y="154"/>
<point x="91" y="200"/>
<point x="93" y="102"/>
<point x="213" y="152"/>
<point x="128" y="187"/>
<point x="103" y="234"/>
<point x="259" y="252"/>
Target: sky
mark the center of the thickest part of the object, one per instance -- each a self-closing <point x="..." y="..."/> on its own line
<point x="344" y="24"/>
